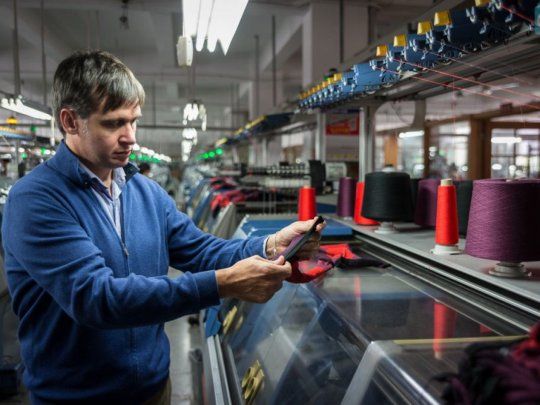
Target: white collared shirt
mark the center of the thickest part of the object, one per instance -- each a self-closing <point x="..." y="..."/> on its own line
<point x="109" y="198"/>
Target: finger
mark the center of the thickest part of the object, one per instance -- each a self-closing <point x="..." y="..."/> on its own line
<point x="321" y="226"/>
<point x="280" y="271"/>
<point x="303" y="226"/>
<point x="280" y="260"/>
<point x="287" y="267"/>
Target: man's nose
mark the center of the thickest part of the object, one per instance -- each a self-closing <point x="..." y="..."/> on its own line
<point x="128" y="134"/>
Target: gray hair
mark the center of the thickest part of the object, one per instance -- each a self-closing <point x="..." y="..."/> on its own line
<point x="89" y="80"/>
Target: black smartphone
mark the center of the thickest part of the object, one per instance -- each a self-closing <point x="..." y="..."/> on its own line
<point x="293" y="250"/>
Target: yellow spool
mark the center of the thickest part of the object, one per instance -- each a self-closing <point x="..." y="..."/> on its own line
<point x="424" y="27"/>
<point x="481" y="3"/>
<point x="382" y="50"/>
<point x="400" y="40"/>
<point x="337" y="77"/>
<point x="442" y="18"/>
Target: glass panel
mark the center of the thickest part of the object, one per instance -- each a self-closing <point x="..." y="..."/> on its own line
<point x="448" y="151"/>
<point x="254" y="327"/>
<point x="310" y="339"/>
<point x="411" y="153"/>
<point x="515" y="153"/>
<point x="402" y="372"/>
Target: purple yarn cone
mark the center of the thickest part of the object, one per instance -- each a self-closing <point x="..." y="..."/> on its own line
<point x="504" y="220"/>
<point x="426" y="203"/>
<point x="346" y="196"/>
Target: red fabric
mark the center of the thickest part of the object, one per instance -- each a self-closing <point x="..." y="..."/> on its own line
<point x="528" y="351"/>
<point x="223" y="199"/>
<point x="341" y="250"/>
<point x="219" y="183"/>
<point x="219" y="200"/>
<point x="305" y="271"/>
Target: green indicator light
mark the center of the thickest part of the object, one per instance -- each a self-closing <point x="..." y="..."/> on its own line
<point x="24" y="155"/>
<point x="43" y="151"/>
<point x="205" y="156"/>
<point x="132" y="156"/>
<point x="219" y="151"/>
<point x="212" y="154"/>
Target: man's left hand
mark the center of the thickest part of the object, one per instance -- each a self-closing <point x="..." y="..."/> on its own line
<point x="281" y="239"/>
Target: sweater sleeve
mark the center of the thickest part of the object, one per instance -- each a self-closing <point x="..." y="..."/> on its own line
<point x="191" y="249"/>
<point x="43" y="238"/>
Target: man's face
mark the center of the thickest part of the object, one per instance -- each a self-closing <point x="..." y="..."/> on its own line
<point x="106" y="140"/>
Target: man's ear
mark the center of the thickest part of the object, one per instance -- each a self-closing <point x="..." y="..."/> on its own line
<point x="68" y="120"/>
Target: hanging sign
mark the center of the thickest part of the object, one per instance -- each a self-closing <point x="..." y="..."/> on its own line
<point x="347" y="124"/>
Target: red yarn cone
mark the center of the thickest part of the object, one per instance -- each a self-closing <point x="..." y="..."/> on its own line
<point x="446" y="228"/>
<point x="307" y="208"/>
<point x="358" y="218"/>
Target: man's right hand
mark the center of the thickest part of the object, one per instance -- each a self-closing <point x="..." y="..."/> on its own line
<point x="253" y="279"/>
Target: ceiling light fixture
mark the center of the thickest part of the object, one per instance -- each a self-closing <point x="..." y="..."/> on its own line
<point x="26" y="107"/>
<point x="212" y="20"/>
<point x="193" y="111"/>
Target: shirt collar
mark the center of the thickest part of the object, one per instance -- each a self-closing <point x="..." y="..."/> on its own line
<point x="68" y="164"/>
<point x="118" y="177"/>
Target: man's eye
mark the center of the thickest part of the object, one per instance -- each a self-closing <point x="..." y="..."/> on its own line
<point x="113" y="124"/>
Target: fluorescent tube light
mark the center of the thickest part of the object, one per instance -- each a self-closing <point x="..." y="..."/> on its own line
<point x="190" y="16"/>
<point x="26" y="107"/>
<point x="212" y="20"/>
<point x="205" y="12"/>
<point x="228" y="22"/>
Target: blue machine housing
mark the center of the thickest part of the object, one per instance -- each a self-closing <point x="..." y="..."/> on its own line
<point x="518" y="9"/>
<point x="334" y="92"/>
<point x="418" y="54"/>
<point x="394" y="60"/>
<point x="495" y="29"/>
<point x="368" y="81"/>
<point x="437" y="42"/>
<point x="347" y="84"/>
<point x="464" y="34"/>
<point x="250" y="227"/>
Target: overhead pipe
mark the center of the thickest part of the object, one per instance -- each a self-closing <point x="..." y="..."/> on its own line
<point x="16" y="61"/>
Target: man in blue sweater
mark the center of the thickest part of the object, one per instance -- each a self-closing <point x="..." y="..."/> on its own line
<point x="88" y="242"/>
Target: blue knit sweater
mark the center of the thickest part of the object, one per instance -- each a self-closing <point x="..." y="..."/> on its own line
<point x="91" y="305"/>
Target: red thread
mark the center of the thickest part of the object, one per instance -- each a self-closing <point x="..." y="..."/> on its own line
<point x="446" y="228"/>
<point x="306" y="204"/>
<point x="513" y="11"/>
<point x="416" y="77"/>
<point x="358" y="218"/>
